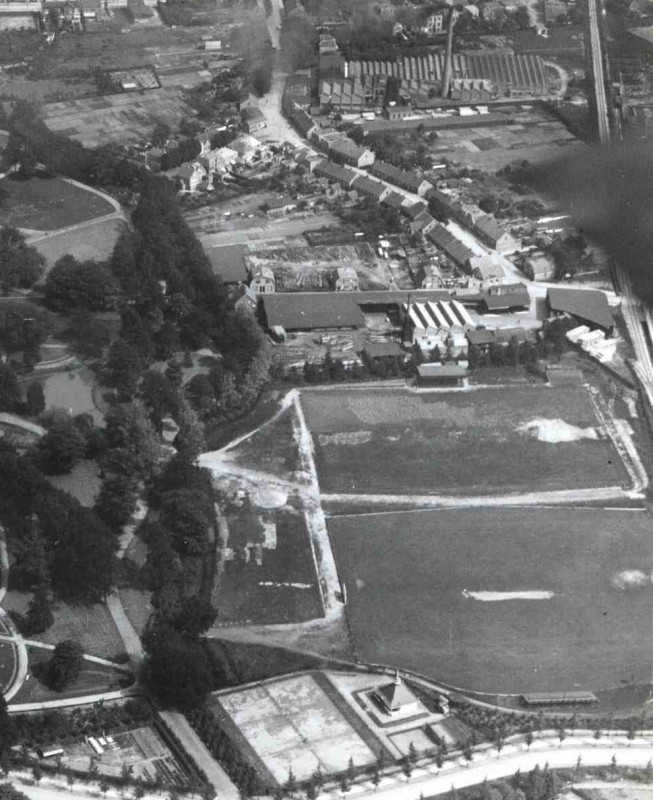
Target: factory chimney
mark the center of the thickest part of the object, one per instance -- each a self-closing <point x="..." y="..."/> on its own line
<point x="446" y="76"/>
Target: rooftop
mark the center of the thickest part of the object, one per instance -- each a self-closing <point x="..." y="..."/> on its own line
<point x="590" y="305"/>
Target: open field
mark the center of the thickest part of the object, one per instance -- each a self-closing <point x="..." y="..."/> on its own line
<point x="478" y="442"/>
<point x="46" y="204"/>
<point x="122" y="118"/>
<point x="295" y="723"/>
<point x="532" y="134"/>
<point x="435" y="592"/>
<point x="271" y="448"/>
<point x="92" y="626"/>
<point x="93" y="679"/>
<point x="93" y="241"/>
<point x="282" y="589"/>
<point x="214" y="232"/>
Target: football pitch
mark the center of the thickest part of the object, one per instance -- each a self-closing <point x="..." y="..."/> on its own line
<point x="502" y="600"/>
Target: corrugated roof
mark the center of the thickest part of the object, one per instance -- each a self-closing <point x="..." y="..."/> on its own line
<point x="589" y="305"/>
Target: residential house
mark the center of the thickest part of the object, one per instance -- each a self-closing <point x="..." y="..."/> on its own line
<point x="245" y="299"/>
<point x="347" y="152"/>
<point x="303" y="122"/>
<point x="422" y="223"/>
<point x="190" y="176"/>
<point x="253" y="119"/>
<point x="452" y="247"/>
<point x="334" y="173"/>
<point x="247" y="147"/>
<point x="394" y="200"/>
<point x="139" y="10"/>
<point x="375" y="189"/>
<point x="538" y="267"/>
<point x="347" y="280"/>
<point x="431" y="281"/>
<point x="494" y="235"/>
<point x="434" y="23"/>
<point x="263" y="281"/>
<point x="402" y="178"/>
<point x="395" y="112"/>
<point x="484" y="269"/>
<point x="91" y="9"/>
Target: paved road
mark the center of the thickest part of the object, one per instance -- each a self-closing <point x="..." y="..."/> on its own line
<point x="430" y="781"/>
<point x="194" y="746"/>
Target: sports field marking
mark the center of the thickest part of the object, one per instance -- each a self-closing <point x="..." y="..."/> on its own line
<point x="496" y="597"/>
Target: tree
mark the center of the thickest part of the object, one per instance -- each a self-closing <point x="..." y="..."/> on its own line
<point x="124" y="367"/>
<point x="160" y="134"/>
<point x="134" y="449"/>
<point x="648" y="772"/>
<point x="351" y="769"/>
<point x="9" y="391"/>
<point x="190" y="440"/>
<point x="65" y="665"/>
<point x="116" y="502"/>
<point x="195" y="617"/>
<point x="290" y="786"/>
<point x="467" y="752"/>
<point x="529" y="738"/>
<point x="613" y="764"/>
<point x="407" y="768"/>
<point x="35" y="399"/>
<point x="21" y="265"/>
<point x="37" y="773"/>
<point x="87" y="334"/>
<point x="73" y="284"/>
<point x="61" y="448"/>
<point x="345" y="786"/>
<point x="39" y="615"/>
<point x="412" y="753"/>
<point x="177" y="670"/>
<point x="376" y="777"/>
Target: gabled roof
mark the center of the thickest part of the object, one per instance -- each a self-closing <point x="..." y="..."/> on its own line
<point x="415" y="210"/>
<point x="394" y="199"/>
<point x="489" y="227"/>
<point x="369" y="186"/>
<point x="589" y="305"/>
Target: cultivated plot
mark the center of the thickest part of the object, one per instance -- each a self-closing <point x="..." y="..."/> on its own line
<point x="495" y="440"/>
<point x="292" y="723"/>
<point x="500" y="599"/>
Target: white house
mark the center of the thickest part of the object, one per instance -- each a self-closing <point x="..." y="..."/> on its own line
<point x="191" y="175"/>
<point x="397" y="700"/>
<point x="263" y="281"/>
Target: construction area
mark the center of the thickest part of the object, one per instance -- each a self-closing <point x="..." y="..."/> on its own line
<point x="312" y="269"/>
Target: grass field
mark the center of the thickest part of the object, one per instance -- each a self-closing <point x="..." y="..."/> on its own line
<point x="459" y="443"/>
<point x="294" y="723"/>
<point x="92" y="626"/>
<point x="95" y="241"/>
<point x="93" y="679"/>
<point x="45" y="204"/>
<point x="283" y="589"/>
<point x="271" y="448"/>
<point x="406" y="572"/>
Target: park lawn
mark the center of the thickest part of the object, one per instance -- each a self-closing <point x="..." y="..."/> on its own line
<point x="93" y="679"/>
<point x="95" y="241"/>
<point x="405" y="574"/>
<point x="46" y="204"/>
<point x="455" y="443"/>
<point x="92" y="626"/>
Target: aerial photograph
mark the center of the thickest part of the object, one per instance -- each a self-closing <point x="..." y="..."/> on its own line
<point x="326" y="399"/>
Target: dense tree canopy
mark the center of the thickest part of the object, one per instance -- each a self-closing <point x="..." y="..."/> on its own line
<point x="73" y="284"/>
<point x="65" y="665"/>
<point x="21" y="265"/>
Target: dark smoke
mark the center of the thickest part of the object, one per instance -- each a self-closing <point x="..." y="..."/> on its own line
<point x="609" y="193"/>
